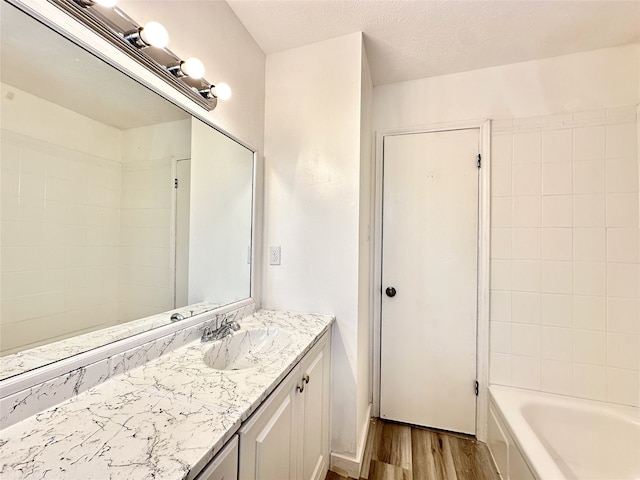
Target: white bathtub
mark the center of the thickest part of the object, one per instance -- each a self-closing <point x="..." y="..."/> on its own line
<point x="540" y="436"/>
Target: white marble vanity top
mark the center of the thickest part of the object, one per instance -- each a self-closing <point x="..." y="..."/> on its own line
<point x="163" y="420"/>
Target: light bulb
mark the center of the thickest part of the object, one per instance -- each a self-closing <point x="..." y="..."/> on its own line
<point x="223" y="91"/>
<point x="154" y="34"/>
<point x="193" y="68"/>
<point x="106" y="3"/>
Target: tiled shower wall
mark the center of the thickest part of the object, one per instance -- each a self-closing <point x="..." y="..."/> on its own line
<point x="564" y="255"/>
<point x="60" y="236"/>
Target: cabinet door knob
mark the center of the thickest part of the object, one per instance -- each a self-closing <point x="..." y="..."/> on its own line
<point x="300" y="388"/>
<point x="390" y="291"/>
<point x="306" y="379"/>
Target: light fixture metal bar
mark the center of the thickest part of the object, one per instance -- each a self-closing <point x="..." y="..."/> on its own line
<point x="108" y="28"/>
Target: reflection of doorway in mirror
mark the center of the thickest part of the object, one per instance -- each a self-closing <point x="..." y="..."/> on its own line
<point x="182" y="194"/>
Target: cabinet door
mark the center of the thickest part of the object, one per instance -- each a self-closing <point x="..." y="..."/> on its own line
<point x="313" y="450"/>
<point x="268" y="441"/>
<point x="224" y="465"/>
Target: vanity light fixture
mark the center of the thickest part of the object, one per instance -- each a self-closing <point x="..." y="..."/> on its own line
<point x="220" y="91"/>
<point x="191" y="67"/>
<point x="147" y="45"/>
<point x="152" y="34"/>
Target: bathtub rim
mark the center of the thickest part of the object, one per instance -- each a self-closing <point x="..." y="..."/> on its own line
<point x="507" y="403"/>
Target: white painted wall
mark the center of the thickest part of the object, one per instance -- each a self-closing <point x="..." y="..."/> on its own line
<point x="365" y="250"/>
<point x="564" y="302"/>
<point x="211" y="32"/>
<point x="316" y="194"/>
<point x="597" y="79"/>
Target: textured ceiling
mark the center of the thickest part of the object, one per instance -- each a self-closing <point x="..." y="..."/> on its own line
<point x="406" y="40"/>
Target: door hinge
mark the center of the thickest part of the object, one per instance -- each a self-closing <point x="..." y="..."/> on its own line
<point x="477" y="387"/>
<point x="175" y="183"/>
<point x="479" y="160"/>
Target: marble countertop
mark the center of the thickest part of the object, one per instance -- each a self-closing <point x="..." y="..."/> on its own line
<point x="163" y="420"/>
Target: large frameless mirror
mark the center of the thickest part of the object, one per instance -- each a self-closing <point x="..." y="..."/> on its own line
<point x="117" y="207"/>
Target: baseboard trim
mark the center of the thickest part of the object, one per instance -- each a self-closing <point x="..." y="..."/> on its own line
<point x="350" y="465"/>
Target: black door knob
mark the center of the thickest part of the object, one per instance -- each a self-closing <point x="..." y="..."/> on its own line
<point x="390" y="291"/>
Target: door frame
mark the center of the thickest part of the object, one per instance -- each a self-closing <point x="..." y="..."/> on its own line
<point x="484" y="203"/>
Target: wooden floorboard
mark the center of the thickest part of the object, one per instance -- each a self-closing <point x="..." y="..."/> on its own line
<point x="395" y="451"/>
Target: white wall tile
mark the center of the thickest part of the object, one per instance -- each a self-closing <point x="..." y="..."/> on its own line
<point x="525" y="372"/>
<point x="590" y="347"/>
<point x="557" y="179"/>
<point x="525" y="307"/>
<point x="500" y="243"/>
<point x="622" y="210"/>
<point x="589" y="176"/>
<point x="57" y="167"/>
<point x="500" y="337"/>
<point x="500" y="369"/>
<point x="32" y="185"/>
<point x="527" y="147"/>
<point x="527" y="178"/>
<point x="623" y="315"/>
<point x="622" y="351"/>
<point x="32" y="161"/>
<point x="10" y="183"/>
<point x="527" y="211"/>
<point x="589" y="313"/>
<point x="57" y="189"/>
<point x="525" y="243"/>
<point x="589" y="278"/>
<point x="623" y="386"/>
<point x="10" y="208"/>
<point x="589" y="244"/>
<point x="623" y="280"/>
<point x="500" y="178"/>
<point x="590" y="381"/>
<point x="9" y="157"/>
<point x="500" y="306"/>
<point x="557" y="277"/>
<point x="557" y="146"/>
<point x="501" y="212"/>
<point x="589" y="210"/>
<point x="556" y="343"/>
<point x="622" y="175"/>
<point x="557" y="310"/>
<point x="525" y="275"/>
<point x="30" y="209"/>
<point x="557" y="244"/>
<point x="557" y="377"/>
<point x="589" y="143"/>
<point x="557" y="211"/>
<point x="525" y="339"/>
<point x="621" y="140"/>
<point x="622" y="245"/>
<point x="565" y="299"/>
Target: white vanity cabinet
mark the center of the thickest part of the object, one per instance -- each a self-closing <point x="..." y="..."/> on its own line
<point x="288" y="436"/>
<point x="224" y="465"/>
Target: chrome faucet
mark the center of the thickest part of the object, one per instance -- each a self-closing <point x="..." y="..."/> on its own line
<point x="226" y="328"/>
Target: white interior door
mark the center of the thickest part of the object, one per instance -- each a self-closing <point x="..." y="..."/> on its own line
<point x="429" y="256"/>
<point x="183" y="192"/>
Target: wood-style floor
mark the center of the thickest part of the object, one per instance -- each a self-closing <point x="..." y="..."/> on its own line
<point x="402" y="452"/>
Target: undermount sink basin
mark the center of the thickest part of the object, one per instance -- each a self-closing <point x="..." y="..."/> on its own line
<point x="247" y="349"/>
